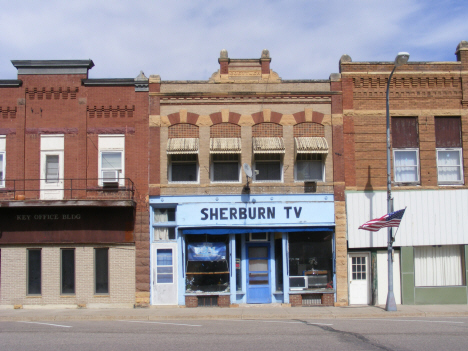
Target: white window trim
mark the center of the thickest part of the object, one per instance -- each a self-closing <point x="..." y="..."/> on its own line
<point x="418" y="170"/>
<point x="172" y="266"/>
<point x="3" y="154"/>
<point x="281" y="160"/>
<point x="2" y="179"/>
<point x="310" y="180"/>
<point x="112" y="143"/>
<point x="225" y="181"/>
<point x="170" y="181"/>
<point x="450" y="182"/>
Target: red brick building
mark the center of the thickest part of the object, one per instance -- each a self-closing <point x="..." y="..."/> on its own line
<point x="73" y="186"/>
<point x="429" y="126"/>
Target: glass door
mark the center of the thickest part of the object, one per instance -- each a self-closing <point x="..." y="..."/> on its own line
<point x="258" y="273"/>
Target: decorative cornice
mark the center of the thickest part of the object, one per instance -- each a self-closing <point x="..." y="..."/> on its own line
<point x="53" y="66"/>
<point x="10" y="83"/>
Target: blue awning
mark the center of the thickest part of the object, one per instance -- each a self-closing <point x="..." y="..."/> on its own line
<point x="222" y="231"/>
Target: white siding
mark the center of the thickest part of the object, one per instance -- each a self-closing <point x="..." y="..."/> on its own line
<point x="432" y="217"/>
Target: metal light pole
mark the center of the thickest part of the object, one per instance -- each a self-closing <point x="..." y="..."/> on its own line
<point x="400" y="59"/>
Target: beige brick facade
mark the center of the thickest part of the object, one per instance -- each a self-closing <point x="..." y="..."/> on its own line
<point x="121" y="277"/>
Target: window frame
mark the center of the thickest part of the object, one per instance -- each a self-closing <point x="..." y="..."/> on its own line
<point x="2" y="169"/>
<point x="111" y="143"/>
<point x="322" y="162"/>
<point x="460" y="155"/>
<point x="62" y="275"/>
<point x="212" y="166"/>
<point x="197" y="169"/>
<point x="28" y="271"/>
<point x="170" y="225"/>
<point x="281" y="160"/>
<point x="418" y="166"/>
<point x="165" y="266"/>
<point x="96" y="249"/>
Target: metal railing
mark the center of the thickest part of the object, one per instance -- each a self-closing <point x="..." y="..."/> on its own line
<point x="67" y="189"/>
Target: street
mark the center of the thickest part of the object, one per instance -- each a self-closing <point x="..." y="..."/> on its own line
<point x="448" y="333"/>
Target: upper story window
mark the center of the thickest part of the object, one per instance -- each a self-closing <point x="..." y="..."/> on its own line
<point x="183" y="160"/>
<point x="225" y="159"/>
<point x="164" y="224"/>
<point x="2" y="160"/>
<point x="268" y="154"/>
<point x="405" y="142"/>
<point x="112" y="160"/>
<point x="449" y="150"/>
<point x="310" y="158"/>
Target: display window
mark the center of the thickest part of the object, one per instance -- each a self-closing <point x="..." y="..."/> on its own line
<point x="310" y="260"/>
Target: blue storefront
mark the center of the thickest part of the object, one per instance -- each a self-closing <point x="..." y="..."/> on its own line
<point x="235" y="249"/>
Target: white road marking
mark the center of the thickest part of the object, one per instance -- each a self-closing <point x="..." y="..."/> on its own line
<point x="187" y="325"/>
<point x="53" y="325"/>
<point x="404" y="320"/>
<point x="295" y="322"/>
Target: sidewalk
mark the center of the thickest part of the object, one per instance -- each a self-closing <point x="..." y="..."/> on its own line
<point x="242" y="312"/>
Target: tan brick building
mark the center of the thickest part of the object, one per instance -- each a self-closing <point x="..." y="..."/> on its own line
<point x="73" y="186"/>
<point x="429" y="123"/>
<point x="246" y="186"/>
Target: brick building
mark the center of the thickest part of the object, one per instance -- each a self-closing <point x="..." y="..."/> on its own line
<point x="246" y="187"/>
<point x="73" y="185"/>
<point x="429" y="123"/>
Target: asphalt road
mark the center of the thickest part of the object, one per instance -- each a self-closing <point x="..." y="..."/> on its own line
<point x="334" y="334"/>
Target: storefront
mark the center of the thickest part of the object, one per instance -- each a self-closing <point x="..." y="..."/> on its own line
<point x="235" y="249"/>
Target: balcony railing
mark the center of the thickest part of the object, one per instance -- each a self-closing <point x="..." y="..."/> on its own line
<point x="67" y="189"/>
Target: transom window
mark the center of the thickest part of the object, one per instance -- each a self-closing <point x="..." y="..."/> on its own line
<point x="164" y="224"/>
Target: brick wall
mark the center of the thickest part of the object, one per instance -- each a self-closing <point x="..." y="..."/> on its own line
<point x="225" y="130"/>
<point x="295" y="300"/>
<point x="121" y="277"/>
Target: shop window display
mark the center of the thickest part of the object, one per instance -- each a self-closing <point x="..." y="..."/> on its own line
<point x="310" y="260"/>
<point x="207" y="266"/>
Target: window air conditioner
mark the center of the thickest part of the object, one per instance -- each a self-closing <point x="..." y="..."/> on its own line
<point x="110" y="178"/>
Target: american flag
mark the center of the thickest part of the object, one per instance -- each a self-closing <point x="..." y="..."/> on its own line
<point x="389" y="220"/>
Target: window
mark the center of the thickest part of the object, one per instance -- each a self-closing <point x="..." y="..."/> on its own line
<point x="311" y="258"/>
<point x="225" y="168"/>
<point x="101" y="271"/>
<point x="52" y="168"/>
<point x="405" y="143"/>
<point x="183" y="168"/>
<point x="34" y="272"/>
<point x="406" y="165"/>
<point x="164" y="266"/>
<point x="310" y="167"/>
<point x="164" y="224"/>
<point x="111" y="160"/>
<point x="68" y="271"/>
<point x="438" y="265"/>
<point x="268" y="167"/>
<point x="2" y="160"/>
<point x="449" y="150"/>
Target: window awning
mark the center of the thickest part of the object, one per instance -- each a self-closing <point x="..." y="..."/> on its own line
<point x="182" y="146"/>
<point x="225" y="146"/>
<point x="222" y="231"/>
<point x="268" y="145"/>
<point x="311" y="145"/>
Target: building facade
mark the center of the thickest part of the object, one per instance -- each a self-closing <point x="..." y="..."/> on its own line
<point x="73" y="186"/>
<point x="246" y="187"/>
<point x="429" y="123"/>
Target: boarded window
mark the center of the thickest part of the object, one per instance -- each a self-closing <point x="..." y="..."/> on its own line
<point x="448" y="132"/>
<point x="405" y="132"/>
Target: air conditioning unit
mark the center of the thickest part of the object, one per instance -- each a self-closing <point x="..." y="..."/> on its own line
<point x="110" y="179"/>
<point x="298" y="283"/>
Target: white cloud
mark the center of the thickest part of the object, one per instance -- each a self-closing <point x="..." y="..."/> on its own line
<point x="182" y="39"/>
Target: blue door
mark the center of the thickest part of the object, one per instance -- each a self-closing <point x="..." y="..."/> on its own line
<point x="258" y="273"/>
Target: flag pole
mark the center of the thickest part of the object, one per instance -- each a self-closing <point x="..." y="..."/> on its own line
<point x="401" y="59"/>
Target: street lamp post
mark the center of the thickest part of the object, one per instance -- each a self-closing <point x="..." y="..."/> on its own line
<point x="400" y="59"/>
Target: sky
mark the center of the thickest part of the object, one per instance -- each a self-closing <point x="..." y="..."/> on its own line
<point x="181" y="40"/>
